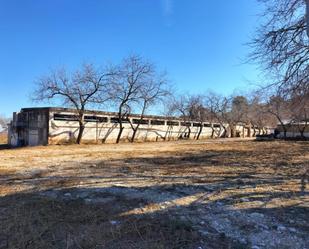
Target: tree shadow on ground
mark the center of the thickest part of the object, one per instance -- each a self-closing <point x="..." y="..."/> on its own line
<point x="118" y="217"/>
<point x="207" y="199"/>
<point x="4" y="146"/>
<point x="39" y="220"/>
<point x="217" y="170"/>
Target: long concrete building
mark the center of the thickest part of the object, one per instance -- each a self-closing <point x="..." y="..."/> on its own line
<point x="294" y="130"/>
<point x="48" y="125"/>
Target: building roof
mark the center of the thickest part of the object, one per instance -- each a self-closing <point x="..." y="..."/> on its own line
<point x="94" y="112"/>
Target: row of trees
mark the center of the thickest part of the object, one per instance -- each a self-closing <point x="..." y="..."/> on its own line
<point x="134" y="84"/>
<point x="227" y="111"/>
<point x="281" y="46"/>
<point x="252" y="110"/>
<point x="292" y="111"/>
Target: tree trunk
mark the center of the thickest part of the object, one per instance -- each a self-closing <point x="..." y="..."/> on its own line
<point x="302" y="133"/>
<point x="254" y="131"/>
<point x="232" y="128"/>
<point x="284" y="132"/>
<point x="169" y="128"/>
<point x="80" y="132"/>
<point x="249" y="130"/>
<point x="120" y="130"/>
<point x="224" y="132"/>
<point x="189" y="133"/>
<point x="212" y="132"/>
<point x="141" y="118"/>
<point x="119" y="134"/>
<point x="304" y="129"/>
<point x="134" y="133"/>
<point x="199" y="133"/>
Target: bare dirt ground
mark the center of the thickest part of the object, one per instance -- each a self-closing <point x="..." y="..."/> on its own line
<point x="185" y="194"/>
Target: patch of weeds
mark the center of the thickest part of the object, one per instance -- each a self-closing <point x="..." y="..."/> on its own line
<point x="32" y="221"/>
<point x="240" y="245"/>
<point x="125" y="169"/>
<point x="177" y="224"/>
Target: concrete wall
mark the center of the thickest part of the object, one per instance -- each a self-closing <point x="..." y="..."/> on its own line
<point x="42" y="126"/>
<point x="29" y="128"/>
<point x="65" y="131"/>
<point x="292" y="134"/>
<point x="293" y="130"/>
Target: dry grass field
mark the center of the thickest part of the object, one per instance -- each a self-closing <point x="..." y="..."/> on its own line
<point x="3" y="138"/>
<point x="185" y="194"/>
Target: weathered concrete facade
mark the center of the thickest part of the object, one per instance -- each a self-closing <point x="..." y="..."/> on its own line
<point x="43" y="126"/>
<point x="294" y="130"/>
<point x="29" y="127"/>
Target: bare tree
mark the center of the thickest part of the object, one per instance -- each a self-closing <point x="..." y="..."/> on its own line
<point x="218" y="106"/>
<point x="239" y="111"/>
<point x="126" y="86"/>
<point x="258" y="117"/>
<point x="307" y="16"/>
<point x="252" y="113"/>
<point x="281" y="109"/>
<point x="240" y="108"/>
<point x="300" y="114"/>
<point x="76" y="90"/>
<point x="154" y="90"/>
<point x="180" y="106"/>
<point x="282" y="46"/>
<point x="197" y="112"/>
<point x="3" y="123"/>
<point x="211" y="100"/>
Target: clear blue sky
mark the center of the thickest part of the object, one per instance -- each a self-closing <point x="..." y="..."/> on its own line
<point x="201" y="43"/>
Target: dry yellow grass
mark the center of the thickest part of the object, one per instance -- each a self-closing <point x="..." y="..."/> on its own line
<point x="3" y="138"/>
<point x="149" y="188"/>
